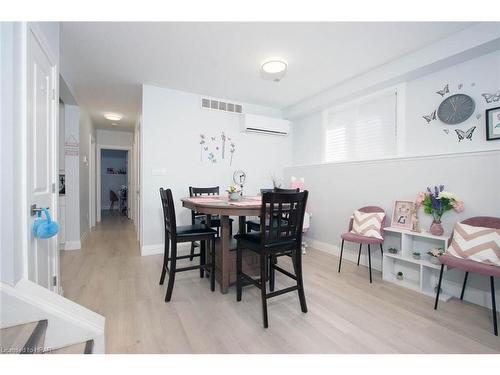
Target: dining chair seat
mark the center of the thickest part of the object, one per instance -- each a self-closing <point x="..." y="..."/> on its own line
<point x="358" y="238"/>
<point x="252" y="241"/>
<point x="194" y="230"/>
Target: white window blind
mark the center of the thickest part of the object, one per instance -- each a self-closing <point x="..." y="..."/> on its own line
<point x="365" y="129"/>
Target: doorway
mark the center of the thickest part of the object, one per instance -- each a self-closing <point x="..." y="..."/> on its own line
<point x="113" y="182"/>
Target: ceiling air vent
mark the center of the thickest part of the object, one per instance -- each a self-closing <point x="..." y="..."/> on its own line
<point x="219" y="105"/>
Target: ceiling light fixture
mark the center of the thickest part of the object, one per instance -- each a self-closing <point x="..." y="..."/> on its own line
<point x="273" y="69"/>
<point x="112" y="116"/>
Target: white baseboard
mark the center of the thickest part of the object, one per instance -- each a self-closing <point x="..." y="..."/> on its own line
<point x="72" y="245"/>
<point x="350" y="252"/>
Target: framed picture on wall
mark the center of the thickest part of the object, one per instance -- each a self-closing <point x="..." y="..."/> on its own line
<point x="402" y="214"/>
<point x="493" y="124"/>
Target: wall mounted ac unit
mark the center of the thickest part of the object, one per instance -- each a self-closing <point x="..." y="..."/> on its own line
<point x="264" y="124"/>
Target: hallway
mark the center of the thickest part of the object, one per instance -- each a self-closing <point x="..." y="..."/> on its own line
<point x="345" y="315"/>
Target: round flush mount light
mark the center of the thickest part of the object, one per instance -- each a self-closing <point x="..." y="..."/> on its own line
<point x="273" y="69"/>
<point x="112" y="116"/>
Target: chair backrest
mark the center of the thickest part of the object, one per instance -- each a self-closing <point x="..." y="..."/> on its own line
<point x="197" y="191"/>
<point x="280" y="190"/>
<point x="368" y="210"/>
<point x="167" y="203"/>
<point x="279" y="205"/>
<point x="480" y="221"/>
<point x="262" y="191"/>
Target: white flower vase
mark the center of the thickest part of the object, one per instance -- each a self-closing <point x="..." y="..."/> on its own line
<point x="234" y="196"/>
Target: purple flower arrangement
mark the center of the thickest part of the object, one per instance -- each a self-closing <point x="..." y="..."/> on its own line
<point x="437" y="201"/>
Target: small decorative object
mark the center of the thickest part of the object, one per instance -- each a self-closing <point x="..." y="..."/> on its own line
<point x="460" y="85"/>
<point x="402" y="214"/>
<point x="399" y="275"/>
<point x="456" y="109"/>
<point x="444" y="91"/>
<point x="490" y="98"/>
<point x="202" y="142"/>
<point x="465" y="135"/>
<point x="239" y="178"/>
<point x="430" y="117"/>
<point x="434" y="255"/>
<point x="446" y="131"/>
<point x="436" y="202"/>
<point x="493" y="124"/>
<point x="392" y="250"/>
<point x="277" y="182"/>
<point x="416" y="255"/>
<point x="234" y="192"/>
<point x="231" y="150"/>
<point x="223" y="138"/>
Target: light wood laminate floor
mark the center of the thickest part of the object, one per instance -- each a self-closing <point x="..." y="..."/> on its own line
<point x="346" y="313"/>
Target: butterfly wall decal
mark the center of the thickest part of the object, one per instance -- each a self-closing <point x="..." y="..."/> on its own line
<point x="460" y="86"/>
<point x="430" y="117"/>
<point x="213" y="138"/>
<point x="490" y="98"/>
<point x="444" y="91"/>
<point x="446" y="131"/>
<point x="465" y="135"/>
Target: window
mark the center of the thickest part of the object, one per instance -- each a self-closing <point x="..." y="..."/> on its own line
<point x="360" y="130"/>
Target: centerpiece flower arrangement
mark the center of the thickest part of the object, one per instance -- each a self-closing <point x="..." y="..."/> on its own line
<point x="234" y="192"/>
<point x="436" y="202"/>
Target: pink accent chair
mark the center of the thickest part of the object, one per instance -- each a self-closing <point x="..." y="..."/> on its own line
<point x="473" y="266"/>
<point x="358" y="238"/>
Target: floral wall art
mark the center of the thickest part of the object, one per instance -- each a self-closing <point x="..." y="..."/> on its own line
<point x="217" y="149"/>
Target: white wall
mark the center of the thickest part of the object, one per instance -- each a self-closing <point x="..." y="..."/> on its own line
<point x="114" y="138"/>
<point x="72" y="171"/>
<point x="86" y="132"/>
<point x="172" y="122"/>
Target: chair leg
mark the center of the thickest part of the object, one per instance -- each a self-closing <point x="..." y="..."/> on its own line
<point x="171" y="274"/>
<point x="212" y="266"/>
<point x="238" y="272"/>
<point x="494" y="305"/>
<point x="165" y="259"/>
<point x="341" y="251"/>
<point x="370" y="262"/>
<point x="463" y="286"/>
<point x="272" y="272"/>
<point x="191" y="254"/>
<point x="263" y="276"/>
<point x="300" y="282"/>
<point x="203" y="253"/>
<point x="381" y="249"/>
<point x="439" y="287"/>
<point x="359" y="253"/>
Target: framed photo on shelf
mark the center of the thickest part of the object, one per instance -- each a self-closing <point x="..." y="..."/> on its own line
<point x="493" y="124"/>
<point x="402" y="214"/>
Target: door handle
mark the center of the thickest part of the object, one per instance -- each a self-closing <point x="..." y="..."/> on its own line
<point x="34" y="209"/>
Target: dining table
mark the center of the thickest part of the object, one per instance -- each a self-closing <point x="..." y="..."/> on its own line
<point x="223" y="207"/>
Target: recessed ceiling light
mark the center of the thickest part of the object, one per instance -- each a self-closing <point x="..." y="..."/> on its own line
<point x="273" y="69"/>
<point x="113" y="116"/>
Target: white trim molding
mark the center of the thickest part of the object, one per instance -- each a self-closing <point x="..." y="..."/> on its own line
<point x="72" y="245"/>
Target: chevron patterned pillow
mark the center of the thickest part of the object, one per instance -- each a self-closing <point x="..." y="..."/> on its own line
<point x="367" y="224"/>
<point x="479" y="244"/>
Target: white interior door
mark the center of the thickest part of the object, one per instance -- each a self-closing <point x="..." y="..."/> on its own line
<point x="41" y="158"/>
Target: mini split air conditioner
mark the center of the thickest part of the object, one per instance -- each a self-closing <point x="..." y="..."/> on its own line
<point x="264" y="124"/>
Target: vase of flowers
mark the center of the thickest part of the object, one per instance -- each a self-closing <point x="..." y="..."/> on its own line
<point x="234" y="192"/>
<point x="436" y="202"/>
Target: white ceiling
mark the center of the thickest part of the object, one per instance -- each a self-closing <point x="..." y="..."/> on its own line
<point x="106" y="63"/>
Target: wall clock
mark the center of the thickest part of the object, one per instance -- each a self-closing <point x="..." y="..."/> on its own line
<point x="455" y="109"/>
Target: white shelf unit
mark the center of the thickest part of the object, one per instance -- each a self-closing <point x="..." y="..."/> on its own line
<point x="418" y="274"/>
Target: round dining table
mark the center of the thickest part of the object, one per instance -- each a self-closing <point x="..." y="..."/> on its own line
<point x="224" y="208"/>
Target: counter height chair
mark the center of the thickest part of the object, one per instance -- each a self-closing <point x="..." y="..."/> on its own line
<point x="198" y="218"/>
<point x="254" y="224"/>
<point x="469" y="265"/>
<point x="272" y="240"/>
<point x="188" y="233"/>
<point x="360" y="239"/>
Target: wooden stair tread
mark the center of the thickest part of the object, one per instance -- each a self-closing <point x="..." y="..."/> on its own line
<point x="80" y="348"/>
<point x="23" y="338"/>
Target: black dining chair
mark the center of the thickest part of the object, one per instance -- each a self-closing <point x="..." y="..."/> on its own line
<point x="197" y="218"/>
<point x="254" y="224"/>
<point x="274" y="239"/>
<point x="188" y="233"/>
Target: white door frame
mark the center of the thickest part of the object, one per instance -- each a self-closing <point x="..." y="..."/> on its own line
<point x="98" y="173"/>
<point x="26" y="218"/>
<point x="92" y="183"/>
